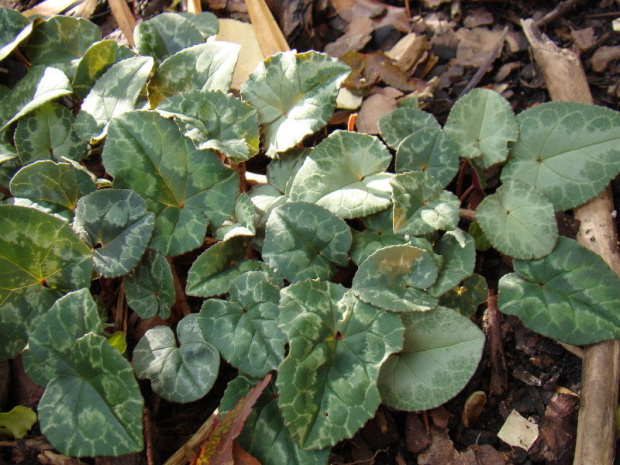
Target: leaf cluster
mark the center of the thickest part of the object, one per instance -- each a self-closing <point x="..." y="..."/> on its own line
<point x="351" y="282"/>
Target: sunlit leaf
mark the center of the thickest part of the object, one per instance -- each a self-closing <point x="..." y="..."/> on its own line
<point x="295" y="95"/>
<point x="119" y="227"/>
<point x="379" y="234"/>
<point x="399" y="124"/>
<point x="394" y="278"/>
<point x="17" y="422"/>
<point x="178" y="374"/>
<point x="568" y="150"/>
<point x="519" y="221"/>
<point x="186" y="188"/>
<point x="481" y="124"/>
<point x="459" y="258"/>
<point x="14" y="28"/>
<point x="206" y="22"/>
<point x="61" y="41"/>
<point x="327" y="383"/>
<point x="304" y="240"/>
<point x="201" y="67"/>
<point x="441" y="352"/>
<point x="242" y="222"/>
<point x="570" y="295"/>
<point x="345" y="173"/>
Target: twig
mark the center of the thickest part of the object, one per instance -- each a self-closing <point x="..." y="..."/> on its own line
<point x="466" y="214"/>
<point x="487" y="63"/>
<point x="596" y="431"/>
<point x="124" y="18"/>
<point x="186" y="452"/>
<point x="558" y="11"/>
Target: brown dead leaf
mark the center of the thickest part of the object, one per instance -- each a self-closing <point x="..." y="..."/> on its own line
<point x="357" y="35"/>
<point x="556" y="430"/>
<point x="381" y="13"/>
<point x="241" y="457"/>
<point x="584" y="38"/>
<point x="476" y="45"/>
<point x="441" y="450"/>
<point x="373" y="108"/>
<point x="416" y="437"/>
<point x="478" y="17"/>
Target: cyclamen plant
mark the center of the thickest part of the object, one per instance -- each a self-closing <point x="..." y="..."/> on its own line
<point x="351" y="284"/>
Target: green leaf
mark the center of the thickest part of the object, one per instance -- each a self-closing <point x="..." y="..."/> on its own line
<point x="14" y="28"/>
<point x="212" y="272"/>
<point x="47" y="133"/>
<point x="114" y="93"/>
<point x="119" y="227"/>
<point x="242" y="222"/>
<point x="421" y="206"/>
<point x="377" y="236"/>
<point x="394" y="278"/>
<point x="96" y="61"/>
<point x="53" y="337"/>
<point x="441" y="352"/>
<point x="568" y="150"/>
<point x="20" y="309"/>
<point x="482" y="243"/>
<point x="92" y="404"/>
<point x="118" y="341"/>
<point x="178" y="374"/>
<point x="186" y="188"/>
<point x="207" y="23"/>
<point x="430" y="150"/>
<point x="97" y="408"/>
<point x="7" y="151"/>
<point x="39" y="249"/>
<point x="215" y="120"/>
<point x="57" y="183"/>
<point x="345" y="174"/>
<point x="327" y="383"/>
<point x="466" y="297"/>
<point x="570" y="295"/>
<point x="295" y="95"/>
<point x="265" y="437"/>
<point x="459" y="258"/>
<point x="518" y="221"/>
<point x="304" y="240"/>
<point x="149" y="287"/>
<point x="481" y="124"/>
<point x="246" y="324"/>
<point x="399" y="124"/>
<point x="282" y="171"/>
<point x="201" y="67"/>
<point x="61" y="41"/>
<point x="165" y="35"/>
<point x="39" y="86"/>
<point x="19" y="420"/>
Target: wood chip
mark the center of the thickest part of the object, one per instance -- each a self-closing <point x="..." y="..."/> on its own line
<point x="475" y="45"/>
<point x="518" y="432"/>
<point x="584" y="38"/>
<point x="603" y="56"/>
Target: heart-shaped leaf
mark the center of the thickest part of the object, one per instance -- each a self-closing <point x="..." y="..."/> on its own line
<point x="40" y="85"/>
<point x="481" y="124"/>
<point x="61" y="41"/>
<point x="568" y="150"/>
<point x="467" y="296"/>
<point x="96" y="61"/>
<point x="304" y="240"/>
<point x="570" y="295"/>
<point x="14" y="28"/>
<point x="393" y="278"/>
<point x="47" y="133"/>
<point x="57" y="183"/>
<point x="178" y="374"/>
<point x="207" y="23"/>
<point x="83" y="373"/>
<point x="119" y="227"/>
<point x="265" y="436"/>
<point x="441" y="352"/>
<point x="242" y="222"/>
<point x="114" y="93"/>
<point x="295" y="95"/>
<point x="345" y="174"/>
<point x="165" y="34"/>
<point x="149" y="287"/>
<point x="203" y="67"/>
<point x="280" y="172"/>
<point x="429" y="149"/>
<point x="459" y="258"/>
<point x="519" y="221"/>
<point x="399" y="124"/>
<point x="215" y="120"/>
<point x="186" y="188"/>
<point x="327" y="383"/>
<point x="421" y="206"/>
<point x="246" y="324"/>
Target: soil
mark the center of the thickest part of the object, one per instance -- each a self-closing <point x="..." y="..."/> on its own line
<point x="520" y="370"/>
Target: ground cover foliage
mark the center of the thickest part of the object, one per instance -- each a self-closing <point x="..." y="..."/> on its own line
<point x="348" y="276"/>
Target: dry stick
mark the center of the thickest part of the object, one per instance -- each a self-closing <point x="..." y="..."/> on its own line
<point x="558" y="11"/>
<point x="596" y="430"/>
<point x="186" y="453"/>
<point x="268" y="33"/>
<point x="124" y="18"/>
